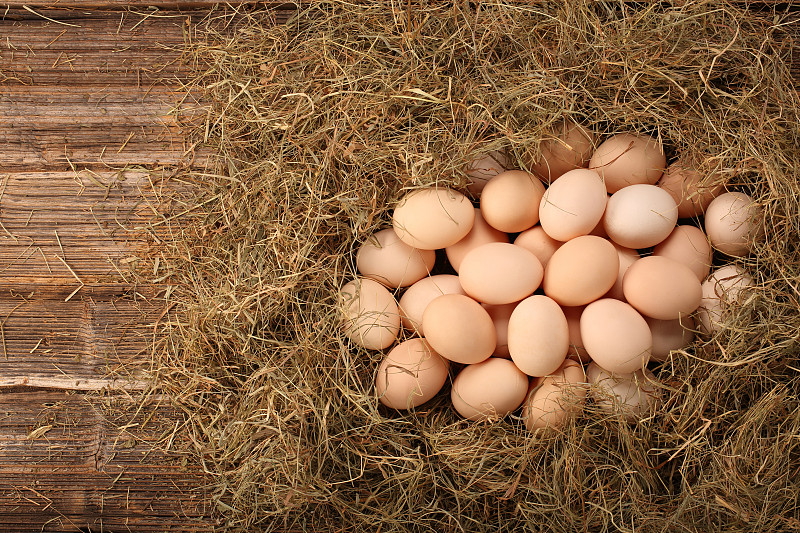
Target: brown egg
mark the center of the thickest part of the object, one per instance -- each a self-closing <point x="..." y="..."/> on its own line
<point x="573" y="205"/>
<point x="569" y="148"/>
<point x="510" y="201"/>
<point x="634" y="395"/>
<point x="538" y="336"/>
<point x="688" y="245"/>
<point x="682" y="182"/>
<point x="640" y="216"/>
<point x="626" y="258"/>
<point x="729" y="223"/>
<point x="481" y="233"/>
<point x="415" y="300"/>
<point x="721" y="291"/>
<point x="430" y="219"/>
<point x="459" y="329"/>
<point x="490" y="389"/>
<point x="410" y="375"/>
<point x="481" y="170"/>
<point x="616" y="336"/>
<point x="500" y="273"/>
<point x="500" y="316"/>
<point x="553" y="399"/>
<point x="661" y="288"/>
<point x="539" y="243"/>
<point x="582" y="270"/>
<point x="626" y="159"/>
<point x="576" y="350"/>
<point x="391" y="262"/>
<point x="370" y="315"/>
<point x="670" y="335"/>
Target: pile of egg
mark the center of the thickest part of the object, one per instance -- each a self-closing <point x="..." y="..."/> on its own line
<point x="593" y="269"/>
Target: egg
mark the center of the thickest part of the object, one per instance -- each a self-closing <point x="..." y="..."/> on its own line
<point x="682" y="182"/>
<point x="500" y="273"/>
<point x="670" y="335"/>
<point x="661" y="288"/>
<point x="510" y="201"/>
<point x="569" y="148"/>
<point x="553" y="399"/>
<point x="538" y="336"/>
<point x="616" y="336"/>
<point x="481" y="233"/>
<point x="370" y="315"/>
<point x="433" y="218"/>
<point x="573" y="205"/>
<point x="490" y="389"/>
<point x="640" y="216"/>
<point x="411" y="374"/>
<point x="459" y="329"/>
<point x="626" y="258"/>
<point x="539" y="243"/>
<point x="633" y="395"/>
<point x="688" y="245"/>
<point x="501" y="314"/>
<point x="581" y="270"/>
<point x="391" y="262"/>
<point x="723" y="288"/>
<point x="729" y="223"/>
<point x="626" y="159"/>
<point x="576" y="350"/>
<point x="482" y="169"/>
<point x="415" y="300"/>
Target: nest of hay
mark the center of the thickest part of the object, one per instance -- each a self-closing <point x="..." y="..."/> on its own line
<point x="321" y="124"/>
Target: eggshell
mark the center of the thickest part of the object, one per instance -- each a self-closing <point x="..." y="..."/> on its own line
<point x="415" y="300"/>
<point x="569" y="148"/>
<point x="370" y="315"/>
<point x="539" y="243"/>
<point x="459" y="329"/>
<point x="682" y="182"/>
<point x="510" y="201"/>
<point x="391" y="262"/>
<point x="501" y="314"/>
<point x="616" y="336"/>
<point x="723" y="288"/>
<point x="410" y="375"/>
<point x="576" y="350"/>
<point x="490" y="389"/>
<point x="670" y="335"/>
<point x="634" y="395"/>
<point x="430" y="219"/>
<point x="688" y="245"/>
<point x="538" y="336"/>
<point x="500" y="273"/>
<point x="640" y="216"/>
<point x="482" y="169"/>
<point x="729" y="223"/>
<point x="581" y="270"/>
<point x="573" y="205"/>
<point x="481" y="233"/>
<point x="661" y="288"/>
<point x="553" y="399"/>
<point x="626" y="258"/>
<point x="626" y="159"/>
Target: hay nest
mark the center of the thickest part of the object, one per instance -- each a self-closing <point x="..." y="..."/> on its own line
<point x="321" y="124"/>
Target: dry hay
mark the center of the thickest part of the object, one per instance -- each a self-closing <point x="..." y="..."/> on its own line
<point x="323" y="122"/>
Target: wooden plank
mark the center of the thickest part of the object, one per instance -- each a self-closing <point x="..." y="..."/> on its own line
<point x="72" y="460"/>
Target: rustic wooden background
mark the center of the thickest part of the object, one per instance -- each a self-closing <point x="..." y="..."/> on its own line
<point x="85" y="115"/>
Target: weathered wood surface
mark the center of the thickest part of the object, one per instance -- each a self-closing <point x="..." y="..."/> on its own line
<point x="82" y="107"/>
